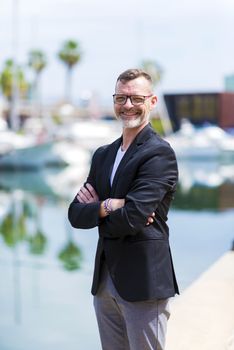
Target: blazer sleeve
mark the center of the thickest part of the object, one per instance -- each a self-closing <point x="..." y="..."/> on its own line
<point x="82" y="215"/>
<point x="156" y="178"/>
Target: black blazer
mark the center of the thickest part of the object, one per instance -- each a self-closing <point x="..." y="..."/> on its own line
<point x="138" y="256"/>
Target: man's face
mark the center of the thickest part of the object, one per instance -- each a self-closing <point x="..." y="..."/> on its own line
<point x="133" y="116"/>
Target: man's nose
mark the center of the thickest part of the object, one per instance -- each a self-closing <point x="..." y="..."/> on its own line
<point x="128" y="103"/>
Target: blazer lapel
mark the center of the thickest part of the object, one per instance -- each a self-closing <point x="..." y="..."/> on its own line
<point x="107" y="167"/>
<point x="139" y="140"/>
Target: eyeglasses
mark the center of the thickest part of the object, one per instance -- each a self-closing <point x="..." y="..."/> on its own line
<point x="136" y="100"/>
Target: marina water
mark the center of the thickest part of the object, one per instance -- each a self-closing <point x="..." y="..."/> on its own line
<point x="46" y="266"/>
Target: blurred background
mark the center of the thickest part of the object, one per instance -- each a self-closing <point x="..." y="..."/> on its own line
<point x="59" y="61"/>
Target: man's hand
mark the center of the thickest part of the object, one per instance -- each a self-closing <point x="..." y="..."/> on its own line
<point x="87" y="194"/>
<point x="150" y="219"/>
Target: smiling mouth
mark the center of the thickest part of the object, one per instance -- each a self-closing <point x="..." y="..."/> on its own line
<point x="131" y="114"/>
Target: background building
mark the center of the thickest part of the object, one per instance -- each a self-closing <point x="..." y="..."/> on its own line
<point x="201" y="108"/>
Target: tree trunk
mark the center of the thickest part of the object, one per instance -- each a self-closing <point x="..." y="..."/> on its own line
<point x="68" y="87"/>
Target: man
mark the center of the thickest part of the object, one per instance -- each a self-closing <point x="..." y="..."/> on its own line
<point x="129" y="180"/>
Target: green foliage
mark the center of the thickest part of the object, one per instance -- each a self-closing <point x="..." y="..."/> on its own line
<point x="12" y="77"/>
<point x="71" y="256"/>
<point x="7" y="80"/>
<point x="70" y="53"/>
<point x="37" y="243"/>
<point x="37" y="60"/>
<point x="154" y="70"/>
<point x="13" y="229"/>
<point x="57" y="119"/>
<point x="157" y="125"/>
<point x="197" y="198"/>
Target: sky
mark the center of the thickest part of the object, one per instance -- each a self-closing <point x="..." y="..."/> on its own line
<point x="192" y="41"/>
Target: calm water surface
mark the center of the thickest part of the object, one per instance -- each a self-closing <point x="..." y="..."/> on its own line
<point x="46" y="266"/>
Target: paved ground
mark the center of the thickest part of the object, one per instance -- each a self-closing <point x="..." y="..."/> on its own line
<point x="202" y="318"/>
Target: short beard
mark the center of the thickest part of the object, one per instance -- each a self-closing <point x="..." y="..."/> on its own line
<point x="131" y="124"/>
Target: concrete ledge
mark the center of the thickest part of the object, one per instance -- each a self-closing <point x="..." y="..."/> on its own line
<point x="202" y="318"/>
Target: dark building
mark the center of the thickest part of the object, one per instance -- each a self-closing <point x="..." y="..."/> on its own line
<point x="201" y="108"/>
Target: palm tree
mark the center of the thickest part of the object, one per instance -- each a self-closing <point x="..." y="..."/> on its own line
<point x="156" y="73"/>
<point x="37" y="61"/>
<point x="154" y="70"/>
<point x="6" y="80"/>
<point x="70" y="54"/>
<point x="12" y="77"/>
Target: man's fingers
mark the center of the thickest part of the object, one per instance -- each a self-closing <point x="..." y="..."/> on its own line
<point x="92" y="191"/>
<point x="80" y="199"/>
<point x="83" y="195"/>
<point x="150" y="219"/>
<point x="87" y="194"/>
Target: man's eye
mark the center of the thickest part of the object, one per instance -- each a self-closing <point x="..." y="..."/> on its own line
<point x="120" y="99"/>
<point x="137" y="99"/>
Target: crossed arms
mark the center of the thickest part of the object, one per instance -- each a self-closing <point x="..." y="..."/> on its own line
<point x="149" y="192"/>
<point x="87" y="194"/>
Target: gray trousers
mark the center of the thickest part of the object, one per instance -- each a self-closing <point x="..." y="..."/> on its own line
<point x="127" y="325"/>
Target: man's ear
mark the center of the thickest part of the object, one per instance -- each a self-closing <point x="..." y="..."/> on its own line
<point x="154" y="101"/>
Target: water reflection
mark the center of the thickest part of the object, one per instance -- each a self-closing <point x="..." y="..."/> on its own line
<point x="207" y="174"/>
<point x="51" y="183"/>
<point x="43" y="259"/>
<point x="200" y="197"/>
<point x="22" y="225"/>
<point x="202" y="186"/>
<point x="205" y="186"/>
<point x="71" y="254"/>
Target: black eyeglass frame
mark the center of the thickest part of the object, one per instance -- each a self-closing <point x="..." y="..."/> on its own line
<point x="130" y="97"/>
